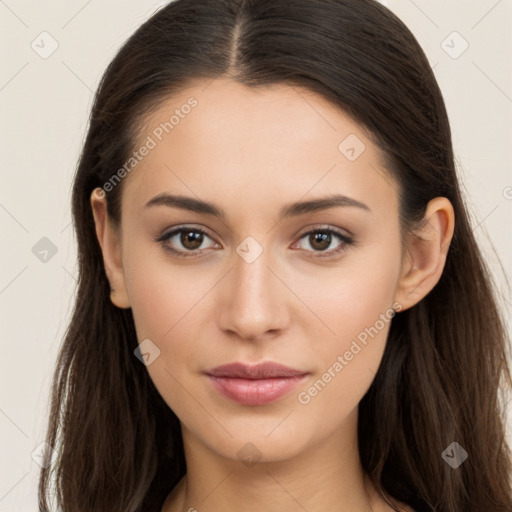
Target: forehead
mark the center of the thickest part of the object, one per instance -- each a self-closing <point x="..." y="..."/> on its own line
<point x="224" y="137"/>
<point x="225" y="109"/>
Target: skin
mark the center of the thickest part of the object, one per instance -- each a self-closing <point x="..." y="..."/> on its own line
<point x="252" y="151"/>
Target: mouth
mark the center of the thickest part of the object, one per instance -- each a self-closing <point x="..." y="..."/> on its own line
<point x="258" y="384"/>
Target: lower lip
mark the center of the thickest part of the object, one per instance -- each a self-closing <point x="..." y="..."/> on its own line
<point x="255" y="392"/>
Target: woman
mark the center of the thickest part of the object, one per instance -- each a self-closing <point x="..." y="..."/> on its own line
<point x="281" y="304"/>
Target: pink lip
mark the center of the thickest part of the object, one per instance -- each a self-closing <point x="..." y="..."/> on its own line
<point x="254" y="384"/>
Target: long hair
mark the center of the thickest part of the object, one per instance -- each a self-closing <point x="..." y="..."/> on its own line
<point x="445" y="363"/>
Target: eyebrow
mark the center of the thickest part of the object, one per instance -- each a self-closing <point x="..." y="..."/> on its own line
<point x="290" y="210"/>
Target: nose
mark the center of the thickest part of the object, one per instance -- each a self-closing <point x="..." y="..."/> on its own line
<point x="253" y="302"/>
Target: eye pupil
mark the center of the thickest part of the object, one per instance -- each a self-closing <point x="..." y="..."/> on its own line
<point x="323" y="238"/>
<point x="192" y="237"/>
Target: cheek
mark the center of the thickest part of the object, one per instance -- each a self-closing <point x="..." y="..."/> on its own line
<point x="162" y="314"/>
<point x="162" y="294"/>
<point x="360" y="314"/>
<point x="168" y="304"/>
<point x="332" y="395"/>
<point x="358" y="311"/>
<point x="352" y="297"/>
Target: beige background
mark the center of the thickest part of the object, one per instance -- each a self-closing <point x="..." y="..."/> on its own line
<point x="45" y="104"/>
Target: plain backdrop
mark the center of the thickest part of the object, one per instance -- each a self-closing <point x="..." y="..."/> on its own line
<point x="45" y="101"/>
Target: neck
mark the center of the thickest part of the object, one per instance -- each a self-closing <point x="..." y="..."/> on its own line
<point x="326" y="477"/>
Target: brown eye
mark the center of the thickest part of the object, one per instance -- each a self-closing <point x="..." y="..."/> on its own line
<point x="320" y="239"/>
<point x="186" y="241"/>
<point x="191" y="240"/>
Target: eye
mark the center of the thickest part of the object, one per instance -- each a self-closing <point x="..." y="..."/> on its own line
<point x="320" y="239"/>
<point x="190" y="239"/>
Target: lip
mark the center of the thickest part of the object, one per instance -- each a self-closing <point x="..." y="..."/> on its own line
<point x="255" y="384"/>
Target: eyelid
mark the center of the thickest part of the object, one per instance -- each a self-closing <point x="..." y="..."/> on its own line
<point x="325" y="227"/>
<point x="178" y="228"/>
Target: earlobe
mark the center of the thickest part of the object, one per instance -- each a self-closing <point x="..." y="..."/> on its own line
<point x="108" y="238"/>
<point x="425" y="253"/>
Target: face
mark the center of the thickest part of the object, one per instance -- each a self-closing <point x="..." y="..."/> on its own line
<point x="308" y="288"/>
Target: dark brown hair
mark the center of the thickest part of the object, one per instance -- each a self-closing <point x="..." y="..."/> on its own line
<point x="119" y="445"/>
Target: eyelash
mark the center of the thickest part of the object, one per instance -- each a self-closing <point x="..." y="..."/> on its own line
<point x="320" y="254"/>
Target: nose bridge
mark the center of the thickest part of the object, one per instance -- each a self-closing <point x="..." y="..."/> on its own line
<point x="252" y="277"/>
<point x="253" y="305"/>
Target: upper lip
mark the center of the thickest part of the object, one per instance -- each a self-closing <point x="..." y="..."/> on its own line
<point x="265" y="370"/>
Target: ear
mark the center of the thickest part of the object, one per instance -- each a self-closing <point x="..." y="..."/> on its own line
<point x="110" y="242"/>
<point x="425" y="253"/>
